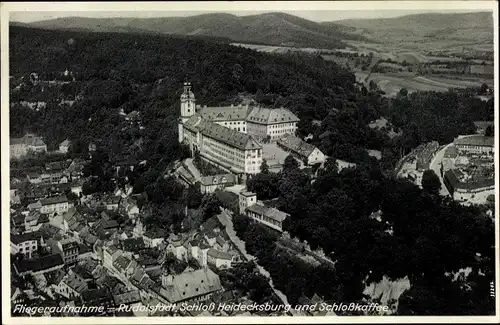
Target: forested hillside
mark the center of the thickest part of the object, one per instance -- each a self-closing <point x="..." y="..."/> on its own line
<point x="273" y="28"/>
<point x="145" y="73"/>
<point x="141" y="73"/>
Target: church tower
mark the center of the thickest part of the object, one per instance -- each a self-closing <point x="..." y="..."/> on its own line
<point x="188" y="107"/>
<point x="188" y="103"/>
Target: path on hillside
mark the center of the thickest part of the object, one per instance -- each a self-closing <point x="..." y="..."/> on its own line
<point x="435" y="165"/>
<point x="225" y="219"/>
<point x="191" y="167"/>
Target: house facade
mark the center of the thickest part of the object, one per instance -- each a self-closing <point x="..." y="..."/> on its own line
<point x="57" y="204"/>
<point x="20" y="147"/>
<point x="26" y="244"/>
<point x="476" y="144"/>
<point x="302" y="150"/>
<point x="271" y="217"/>
<point x="209" y="184"/>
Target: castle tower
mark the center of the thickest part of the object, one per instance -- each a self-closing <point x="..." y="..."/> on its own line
<point x="188" y="103"/>
<point x="188" y="108"/>
<point x="246" y="199"/>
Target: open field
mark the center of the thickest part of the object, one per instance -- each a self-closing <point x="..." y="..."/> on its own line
<point x="279" y="49"/>
<point x="392" y="83"/>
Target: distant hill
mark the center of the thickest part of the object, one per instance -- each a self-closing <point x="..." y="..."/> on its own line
<point x="465" y="27"/>
<point x="268" y="28"/>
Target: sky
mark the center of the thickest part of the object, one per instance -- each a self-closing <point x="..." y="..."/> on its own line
<point x="314" y="15"/>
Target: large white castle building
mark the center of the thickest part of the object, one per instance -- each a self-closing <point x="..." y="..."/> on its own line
<point x="229" y="136"/>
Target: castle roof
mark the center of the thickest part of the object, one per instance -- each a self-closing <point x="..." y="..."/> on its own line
<point x="222" y="134"/>
<point x="271" y="213"/>
<point x="224" y="113"/>
<point x="476" y="140"/>
<point x="218" y="179"/>
<point x="296" y="145"/>
<point x="261" y="115"/>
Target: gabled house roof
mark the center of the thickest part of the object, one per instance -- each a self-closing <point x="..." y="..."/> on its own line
<point x="221" y="133"/>
<point x="191" y="284"/>
<point x="296" y="145"/>
<point x="38" y="264"/>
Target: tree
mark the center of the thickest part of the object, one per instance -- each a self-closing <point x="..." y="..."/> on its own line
<point x="290" y="164"/>
<point x="210" y="206"/>
<point x="403" y="92"/>
<point x="264" y="168"/>
<point x="431" y="182"/>
<point x="484" y="89"/>
<point x="490" y="131"/>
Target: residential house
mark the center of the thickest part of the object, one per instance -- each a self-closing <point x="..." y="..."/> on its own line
<point x="68" y="248"/>
<point x="32" y="221"/>
<point x="57" y="204"/>
<point x="34" y="178"/>
<point x="15" y="198"/>
<point x="129" y="298"/>
<point x="221" y="244"/>
<point x="424" y="154"/>
<point x="64" y="146"/>
<point x="98" y="297"/>
<point x="153" y="237"/>
<point x="26" y="244"/>
<point x="130" y="208"/>
<point x="71" y="286"/>
<point x="202" y="258"/>
<point x="302" y="150"/>
<point x="112" y="203"/>
<point x="110" y="255"/>
<point x="42" y="265"/>
<point x="75" y="169"/>
<point x="133" y="244"/>
<point x="464" y="188"/>
<point x="268" y="216"/>
<point x="138" y="230"/>
<point x="76" y="187"/>
<point x="221" y="260"/>
<point x="177" y="248"/>
<point x="209" y="184"/>
<point x="84" y="252"/>
<point x="186" y="287"/>
<point x="481" y="126"/>
<point x="124" y="267"/>
<point x="476" y="144"/>
<point x="20" y="147"/>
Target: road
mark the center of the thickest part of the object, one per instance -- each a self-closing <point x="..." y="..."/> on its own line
<point x="226" y="220"/>
<point x="193" y="169"/>
<point x="435" y="165"/>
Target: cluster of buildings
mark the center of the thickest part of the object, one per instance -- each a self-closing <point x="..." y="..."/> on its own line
<point x="465" y="167"/>
<point x="418" y="161"/>
<point x="468" y="170"/>
<point x="81" y="257"/>
<point x="29" y="143"/>
<point x="231" y="137"/>
<point x="32" y="144"/>
<point x="258" y="211"/>
<point x="78" y="250"/>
